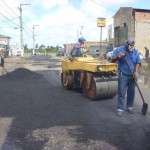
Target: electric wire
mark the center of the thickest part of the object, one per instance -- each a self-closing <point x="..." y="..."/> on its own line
<point x="103" y="6"/>
<point x="10" y="9"/>
<point x="9" y="19"/>
<point x="16" y="15"/>
<point x="13" y="18"/>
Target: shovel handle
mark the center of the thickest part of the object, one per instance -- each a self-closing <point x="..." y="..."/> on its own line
<point x="135" y="80"/>
<point x="5" y="71"/>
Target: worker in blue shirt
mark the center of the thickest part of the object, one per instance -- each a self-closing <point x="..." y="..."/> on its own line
<point x="77" y="48"/>
<point x="126" y="82"/>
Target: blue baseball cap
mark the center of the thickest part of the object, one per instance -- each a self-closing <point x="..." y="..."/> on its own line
<point x="130" y="40"/>
<point x="82" y="39"/>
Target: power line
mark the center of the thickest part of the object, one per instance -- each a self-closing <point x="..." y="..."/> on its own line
<point x="4" y="21"/>
<point x="9" y="19"/>
<point x="103" y="6"/>
<point x="10" y="8"/>
<point x="27" y="27"/>
<point x="8" y="13"/>
<point x="27" y="33"/>
<point x="15" y="14"/>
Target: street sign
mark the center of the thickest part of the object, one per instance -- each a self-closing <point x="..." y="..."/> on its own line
<point x="101" y="22"/>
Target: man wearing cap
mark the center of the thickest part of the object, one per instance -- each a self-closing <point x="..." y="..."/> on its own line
<point x="126" y="82"/>
<point x="77" y="48"/>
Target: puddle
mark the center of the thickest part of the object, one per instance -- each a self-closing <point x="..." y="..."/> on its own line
<point x="143" y="80"/>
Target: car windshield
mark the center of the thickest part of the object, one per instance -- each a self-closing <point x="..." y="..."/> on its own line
<point x="60" y="51"/>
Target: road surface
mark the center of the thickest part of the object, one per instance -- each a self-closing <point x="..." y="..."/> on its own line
<point x="36" y="113"/>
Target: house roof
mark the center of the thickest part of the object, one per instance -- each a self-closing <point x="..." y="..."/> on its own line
<point x="3" y="36"/>
<point x="141" y="10"/>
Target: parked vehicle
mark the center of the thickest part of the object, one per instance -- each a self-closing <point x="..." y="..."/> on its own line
<point x="141" y="56"/>
<point x="95" y="53"/>
<point x="60" y="53"/>
<point x="109" y="55"/>
<point x="15" y="51"/>
<point x="4" y="47"/>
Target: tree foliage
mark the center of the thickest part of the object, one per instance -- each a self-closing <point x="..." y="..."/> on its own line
<point x="42" y="48"/>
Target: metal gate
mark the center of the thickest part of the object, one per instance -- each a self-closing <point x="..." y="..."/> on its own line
<point x="121" y="34"/>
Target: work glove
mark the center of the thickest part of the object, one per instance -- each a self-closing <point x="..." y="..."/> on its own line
<point x="121" y="54"/>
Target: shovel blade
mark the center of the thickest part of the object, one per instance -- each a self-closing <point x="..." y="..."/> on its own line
<point x="144" y="109"/>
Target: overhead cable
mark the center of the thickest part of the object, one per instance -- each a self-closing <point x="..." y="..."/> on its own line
<point x="103" y="6"/>
<point x="9" y="19"/>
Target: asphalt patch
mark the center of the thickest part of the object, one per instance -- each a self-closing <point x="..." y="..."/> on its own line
<point x="21" y="73"/>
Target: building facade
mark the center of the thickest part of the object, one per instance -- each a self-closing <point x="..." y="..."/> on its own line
<point x="88" y="44"/>
<point x="132" y="22"/>
<point x="4" y="44"/>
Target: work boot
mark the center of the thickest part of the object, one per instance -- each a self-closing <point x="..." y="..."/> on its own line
<point x="119" y="113"/>
<point x="130" y="110"/>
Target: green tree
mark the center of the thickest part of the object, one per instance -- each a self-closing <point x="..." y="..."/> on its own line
<point x="26" y="49"/>
<point x="36" y="46"/>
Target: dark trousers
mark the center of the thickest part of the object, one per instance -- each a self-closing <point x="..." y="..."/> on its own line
<point x="2" y="62"/>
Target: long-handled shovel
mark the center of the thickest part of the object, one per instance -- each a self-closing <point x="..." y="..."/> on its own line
<point x="145" y="105"/>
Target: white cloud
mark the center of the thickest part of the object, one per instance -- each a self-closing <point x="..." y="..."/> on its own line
<point x="93" y="9"/>
<point x="107" y="3"/>
<point x="59" y="20"/>
<point x="47" y="4"/>
<point x="119" y="2"/>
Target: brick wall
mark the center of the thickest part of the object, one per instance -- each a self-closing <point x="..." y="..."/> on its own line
<point x="142" y="31"/>
<point x="138" y="24"/>
<point x="123" y="25"/>
<point x="88" y="44"/>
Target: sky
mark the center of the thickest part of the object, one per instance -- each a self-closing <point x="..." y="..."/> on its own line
<point x="58" y="22"/>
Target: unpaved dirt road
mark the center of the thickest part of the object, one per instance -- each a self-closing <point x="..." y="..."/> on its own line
<point x="36" y="113"/>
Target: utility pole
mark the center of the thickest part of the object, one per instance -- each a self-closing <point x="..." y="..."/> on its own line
<point x="101" y="22"/>
<point x="81" y="31"/>
<point x="77" y="35"/>
<point x="21" y="29"/>
<point x="33" y="50"/>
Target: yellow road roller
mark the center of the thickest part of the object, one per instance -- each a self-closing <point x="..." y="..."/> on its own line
<point x="98" y="79"/>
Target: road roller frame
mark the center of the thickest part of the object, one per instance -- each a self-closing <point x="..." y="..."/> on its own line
<point x="98" y="79"/>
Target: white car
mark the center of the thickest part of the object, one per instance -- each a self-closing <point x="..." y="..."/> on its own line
<point x="109" y="55"/>
<point x="141" y="57"/>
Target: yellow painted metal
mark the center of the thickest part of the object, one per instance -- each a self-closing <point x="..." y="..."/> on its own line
<point x="88" y="64"/>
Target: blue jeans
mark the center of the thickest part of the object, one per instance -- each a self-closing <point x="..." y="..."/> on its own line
<point x="125" y="84"/>
<point x="76" y="53"/>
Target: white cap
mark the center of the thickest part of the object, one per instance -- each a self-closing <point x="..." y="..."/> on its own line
<point x="130" y="40"/>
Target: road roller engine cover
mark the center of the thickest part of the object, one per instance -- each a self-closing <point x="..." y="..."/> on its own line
<point x="98" y="79"/>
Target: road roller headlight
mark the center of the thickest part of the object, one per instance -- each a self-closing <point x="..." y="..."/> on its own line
<point x="99" y="68"/>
